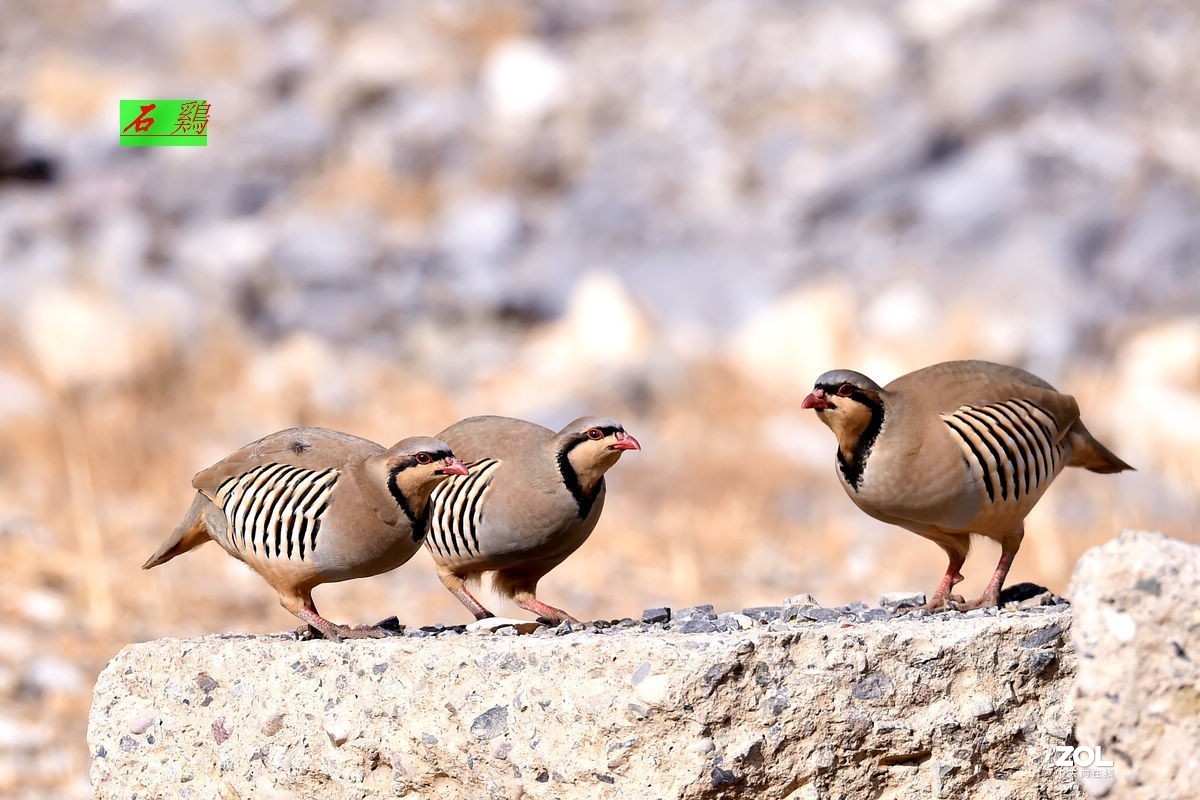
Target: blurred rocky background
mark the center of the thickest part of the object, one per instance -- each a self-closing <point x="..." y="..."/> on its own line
<point x="673" y="213"/>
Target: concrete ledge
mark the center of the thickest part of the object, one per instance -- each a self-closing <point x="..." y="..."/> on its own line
<point x="945" y="706"/>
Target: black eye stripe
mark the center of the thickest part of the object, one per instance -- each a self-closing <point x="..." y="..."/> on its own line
<point x="860" y="395"/>
<point x="411" y="461"/>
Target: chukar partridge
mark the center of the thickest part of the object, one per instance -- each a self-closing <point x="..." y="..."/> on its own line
<point x="954" y="449"/>
<point x="531" y="499"/>
<point x="307" y="506"/>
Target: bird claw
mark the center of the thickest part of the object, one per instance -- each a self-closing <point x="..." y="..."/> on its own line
<point x="934" y="606"/>
<point x="386" y="628"/>
<point x="985" y="600"/>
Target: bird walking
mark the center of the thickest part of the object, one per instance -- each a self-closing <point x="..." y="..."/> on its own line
<point x="954" y="449"/>
<point x="307" y="506"/>
<point x="531" y="499"/>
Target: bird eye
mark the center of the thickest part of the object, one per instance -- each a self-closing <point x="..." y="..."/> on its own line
<point x="424" y="458"/>
<point x="595" y="433"/>
<point x="845" y="390"/>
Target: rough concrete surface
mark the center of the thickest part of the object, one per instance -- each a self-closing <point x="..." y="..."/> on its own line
<point x="945" y="706"/>
<point x="1138" y="689"/>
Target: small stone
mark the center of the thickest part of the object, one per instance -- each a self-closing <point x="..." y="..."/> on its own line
<point x="728" y="622"/>
<point x="875" y="615"/>
<point x="1042" y="637"/>
<point x="722" y="777"/>
<point x="429" y="740"/>
<point x="804" y="599"/>
<point x="272" y="726"/>
<point x="640" y="674"/>
<point x="379" y="669"/>
<point x="897" y="599"/>
<point x="143" y="723"/>
<point x="206" y="683"/>
<point x="219" y="732"/>
<point x="498" y="625"/>
<point x="817" y="614"/>
<point x="873" y="686"/>
<point x="563" y="628"/>
<point x="499" y="749"/>
<point x="696" y="612"/>
<point x="1149" y="585"/>
<point x="652" y="615"/>
<point x="1037" y="661"/>
<point x="853" y="608"/>
<point x="776" y="704"/>
<point x="763" y="613"/>
<point x="338" y="732"/>
<point x="542" y="777"/>
<point x="1043" y="599"/>
<point x="981" y="706"/>
<point x="698" y="626"/>
<point x="128" y="743"/>
<point x="491" y="723"/>
<point x="629" y="623"/>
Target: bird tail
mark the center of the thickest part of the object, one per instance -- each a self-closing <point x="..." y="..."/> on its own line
<point x="1088" y="453"/>
<point x="190" y="533"/>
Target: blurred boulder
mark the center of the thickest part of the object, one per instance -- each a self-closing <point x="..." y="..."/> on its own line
<point x="1137" y="636"/>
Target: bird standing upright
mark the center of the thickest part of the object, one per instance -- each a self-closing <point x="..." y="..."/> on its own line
<point x="531" y="499"/>
<point x="307" y="506"/>
<point x="953" y="449"/>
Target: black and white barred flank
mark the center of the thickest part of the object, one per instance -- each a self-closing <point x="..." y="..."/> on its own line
<point x="457" y="510"/>
<point x="1013" y="447"/>
<point x="275" y="510"/>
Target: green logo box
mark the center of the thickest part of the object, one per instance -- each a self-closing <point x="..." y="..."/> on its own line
<point x="164" y="123"/>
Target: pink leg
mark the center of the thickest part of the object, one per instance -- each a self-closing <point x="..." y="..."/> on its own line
<point x="942" y="598"/>
<point x="333" y="631"/>
<point x="458" y="588"/>
<point x="527" y="601"/>
<point x="991" y="594"/>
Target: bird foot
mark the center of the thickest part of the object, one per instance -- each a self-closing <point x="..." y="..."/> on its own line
<point x="988" y="599"/>
<point x="337" y="633"/>
<point x="935" y="605"/>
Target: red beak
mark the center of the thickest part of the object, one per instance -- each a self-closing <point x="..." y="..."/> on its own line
<point x="816" y="400"/>
<point x="453" y="467"/>
<point x="624" y="442"/>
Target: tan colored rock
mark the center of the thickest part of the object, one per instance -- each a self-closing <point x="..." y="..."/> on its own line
<point x="1138" y="642"/>
<point x="939" y="707"/>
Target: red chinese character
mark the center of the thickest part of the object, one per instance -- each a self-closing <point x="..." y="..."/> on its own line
<point x="193" y="116"/>
<point x="143" y="122"/>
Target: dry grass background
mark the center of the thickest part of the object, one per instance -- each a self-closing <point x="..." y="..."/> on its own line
<point x="704" y="207"/>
